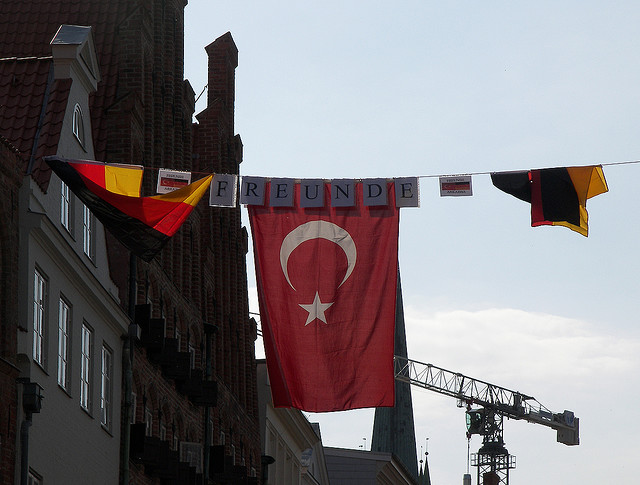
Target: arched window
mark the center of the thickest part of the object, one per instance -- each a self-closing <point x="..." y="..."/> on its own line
<point x="78" y="124"/>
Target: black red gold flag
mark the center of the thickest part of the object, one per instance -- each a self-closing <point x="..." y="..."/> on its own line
<point x="112" y="193"/>
<point x="558" y="196"/>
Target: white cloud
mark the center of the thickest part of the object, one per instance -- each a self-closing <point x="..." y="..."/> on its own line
<point x="514" y="348"/>
<point x="565" y="363"/>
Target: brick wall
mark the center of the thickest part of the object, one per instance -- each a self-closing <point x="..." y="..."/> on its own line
<point x="200" y="276"/>
<point x="10" y="180"/>
<point x="218" y="149"/>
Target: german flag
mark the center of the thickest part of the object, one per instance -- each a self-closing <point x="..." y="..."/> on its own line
<point x="112" y="193"/>
<point x="558" y="196"/>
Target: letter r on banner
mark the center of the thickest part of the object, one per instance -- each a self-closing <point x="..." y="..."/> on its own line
<point x="252" y="190"/>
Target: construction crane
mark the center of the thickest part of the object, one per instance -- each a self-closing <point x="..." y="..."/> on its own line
<point x="493" y="461"/>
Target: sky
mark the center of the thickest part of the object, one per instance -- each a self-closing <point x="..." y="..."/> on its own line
<point x="341" y="89"/>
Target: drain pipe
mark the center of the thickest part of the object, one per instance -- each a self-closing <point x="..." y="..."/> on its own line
<point x="31" y="403"/>
<point x="127" y="363"/>
<point x="24" y="449"/>
<point x="209" y="329"/>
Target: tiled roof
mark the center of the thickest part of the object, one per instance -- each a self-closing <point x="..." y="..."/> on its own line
<point x="26" y="28"/>
<point x="25" y="84"/>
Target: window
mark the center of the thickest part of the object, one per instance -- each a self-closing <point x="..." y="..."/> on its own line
<point x="148" y="422"/>
<point x="78" y="124"/>
<point x="34" y="478"/>
<point x="106" y="387"/>
<point x="163" y="432"/>
<point x="174" y="440"/>
<point x="64" y="332"/>
<point x="88" y="232"/>
<point x="39" y="317"/>
<point x="85" y="367"/>
<point x="192" y="356"/>
<point x="66" y="214"/>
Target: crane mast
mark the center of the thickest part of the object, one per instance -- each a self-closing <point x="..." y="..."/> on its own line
<point x="492" y="460"/>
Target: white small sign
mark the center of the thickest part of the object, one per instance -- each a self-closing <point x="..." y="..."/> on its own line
<point x="170" y="180"/>
<point x="455" y="186"/>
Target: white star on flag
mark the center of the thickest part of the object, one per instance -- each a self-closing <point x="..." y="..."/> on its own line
<point x="316" y="310"/>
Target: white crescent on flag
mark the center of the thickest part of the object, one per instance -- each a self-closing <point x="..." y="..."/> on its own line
<point x="318" y="230"/>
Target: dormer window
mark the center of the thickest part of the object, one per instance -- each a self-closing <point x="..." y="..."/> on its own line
<point x="78" y="124"/>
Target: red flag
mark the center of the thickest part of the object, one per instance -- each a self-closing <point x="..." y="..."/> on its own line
<point x="327" y="290"/>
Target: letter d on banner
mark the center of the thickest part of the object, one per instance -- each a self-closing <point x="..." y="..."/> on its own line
<point x="223" y="190"/>
<point x="374" y="192"/>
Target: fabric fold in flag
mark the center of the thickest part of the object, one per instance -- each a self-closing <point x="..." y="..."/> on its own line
<point x="142" y="224"/>
<point x="558" y="196"/>
<point x="327" y="281"/>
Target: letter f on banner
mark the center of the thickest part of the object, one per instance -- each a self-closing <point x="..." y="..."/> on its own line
<point x="327" y="282"/>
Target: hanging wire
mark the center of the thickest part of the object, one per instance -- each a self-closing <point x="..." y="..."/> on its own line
<point x="201" y="93"/>
<point x="631" y="162"/>
<point x="606" y="164"/>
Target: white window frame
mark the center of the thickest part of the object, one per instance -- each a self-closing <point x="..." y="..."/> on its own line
<point x="78" y="125"/>
<point x="192" y="356"/>
<point x="34" y="478"/>
<point x="86" y="364"/>
<point x="40" y="284"/>
<point x="88" y="232"/>
<point x="64" y="341"/>
<point x="148" y="422"/>
<point x="66" y="209"/>
<point x="106" y="387"/>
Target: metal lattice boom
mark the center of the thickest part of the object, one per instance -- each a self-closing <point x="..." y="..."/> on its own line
<point x="511" y="404"/>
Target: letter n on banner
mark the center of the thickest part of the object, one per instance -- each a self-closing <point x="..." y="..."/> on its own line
<point x="343" y="193"/>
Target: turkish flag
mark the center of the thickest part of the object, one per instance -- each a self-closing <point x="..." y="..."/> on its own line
<point x="327" y="282"/>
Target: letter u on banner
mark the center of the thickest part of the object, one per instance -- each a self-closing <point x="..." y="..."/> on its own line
<point x="312" y="193"/>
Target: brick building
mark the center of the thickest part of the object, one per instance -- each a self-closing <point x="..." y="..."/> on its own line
<point x="192" y="386"/>
<point x="10" y="180"/>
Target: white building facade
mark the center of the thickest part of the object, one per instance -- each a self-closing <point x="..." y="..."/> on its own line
<point x="71" y="323"/>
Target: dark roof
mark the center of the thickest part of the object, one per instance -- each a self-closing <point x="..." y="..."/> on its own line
<point x="26" y="85"/>
<point x="27" y="28"/>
